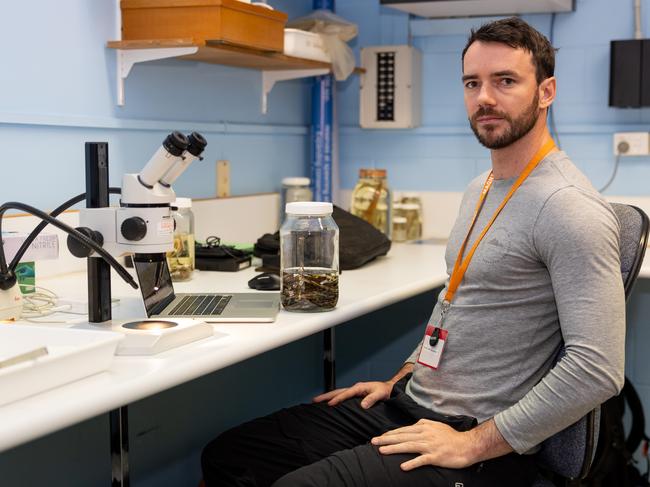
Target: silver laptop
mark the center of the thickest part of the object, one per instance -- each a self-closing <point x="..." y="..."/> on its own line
<point x="161" y="301"/>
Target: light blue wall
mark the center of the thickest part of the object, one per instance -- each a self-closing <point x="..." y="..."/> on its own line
<point x="442" y="155"/>
<point x="58" y="89"/>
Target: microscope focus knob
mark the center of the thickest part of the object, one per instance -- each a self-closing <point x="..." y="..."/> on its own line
<point x="134" y="228"/>
<point x="78" y="249"/>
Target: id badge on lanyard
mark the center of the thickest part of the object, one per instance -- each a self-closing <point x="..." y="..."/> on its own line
<point x="435" y="335"/>
<point x="434" y="341"/>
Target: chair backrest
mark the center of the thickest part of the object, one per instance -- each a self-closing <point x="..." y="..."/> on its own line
<point x="634" y="240"/>
<point x="570" y="452"/>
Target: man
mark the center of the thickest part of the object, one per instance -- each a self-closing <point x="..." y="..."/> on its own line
<point x="534" y="266"/>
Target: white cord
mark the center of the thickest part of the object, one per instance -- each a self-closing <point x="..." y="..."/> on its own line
<point x="44" y="302"/>
<point x="38" y="303"/>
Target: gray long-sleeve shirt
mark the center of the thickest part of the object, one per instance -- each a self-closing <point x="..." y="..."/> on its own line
<point x="546" y="273"/>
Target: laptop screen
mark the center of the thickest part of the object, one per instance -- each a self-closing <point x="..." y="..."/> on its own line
<point x="155" y="281"/>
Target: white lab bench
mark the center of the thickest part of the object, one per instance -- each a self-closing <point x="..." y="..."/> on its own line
<point x="406" y="271"/>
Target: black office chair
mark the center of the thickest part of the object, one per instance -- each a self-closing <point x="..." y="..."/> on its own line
<point x="570" y="452"/>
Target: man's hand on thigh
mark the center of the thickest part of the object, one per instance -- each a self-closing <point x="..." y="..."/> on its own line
<point x="370" y="391"/>
<point x="440" y="445"/>
<point x="437" y="444"/>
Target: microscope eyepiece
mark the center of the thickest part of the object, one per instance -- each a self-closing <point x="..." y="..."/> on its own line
<point x="197" y="144"/>
<point x="166" y="156"/>
<point x="176" y="143"/>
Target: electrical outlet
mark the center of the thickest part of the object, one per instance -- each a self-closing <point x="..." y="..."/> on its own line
<point x="223" y="179"/>
<point x="632" y="144"/>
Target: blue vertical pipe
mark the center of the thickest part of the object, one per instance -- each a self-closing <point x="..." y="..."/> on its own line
<point x="322" y="110"/>
<point x="322" y="120"/>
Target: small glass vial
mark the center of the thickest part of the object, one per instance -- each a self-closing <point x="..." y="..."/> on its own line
<point x="415" y="220"/>
<point x="294" y="189"/>
<point x="181" y="259"/>
<point x="371" y="199"/>
<point x="309" y="257"/>
<point x="410" y="197"/>
<point x="411" y="212"/>
<point x="399" y="229"/>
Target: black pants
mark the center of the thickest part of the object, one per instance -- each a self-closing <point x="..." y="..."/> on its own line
<point x="315" y="445"/>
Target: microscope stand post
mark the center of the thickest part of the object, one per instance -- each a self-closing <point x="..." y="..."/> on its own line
<point x="99" y="303"/>
<point x="97" y="196"/>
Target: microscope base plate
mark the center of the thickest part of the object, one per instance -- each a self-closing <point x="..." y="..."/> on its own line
<point x="153" y="340"/>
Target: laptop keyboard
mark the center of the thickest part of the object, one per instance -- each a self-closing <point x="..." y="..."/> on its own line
<point x="203" y="305"/>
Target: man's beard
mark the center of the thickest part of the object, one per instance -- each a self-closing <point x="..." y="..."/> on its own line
<point x="516" y="130"/>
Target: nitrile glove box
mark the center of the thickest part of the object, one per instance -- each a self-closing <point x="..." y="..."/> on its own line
<point x="44" y="247"/>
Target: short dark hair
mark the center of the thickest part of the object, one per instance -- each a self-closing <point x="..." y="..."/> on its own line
<point x="518" y="34"/>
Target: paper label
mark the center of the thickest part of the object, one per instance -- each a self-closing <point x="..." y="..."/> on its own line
<point x="166" y="226"/>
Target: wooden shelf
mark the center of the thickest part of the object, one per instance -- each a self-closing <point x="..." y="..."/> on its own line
<point x="275" y="66"/>
<point x="220" y="52"/>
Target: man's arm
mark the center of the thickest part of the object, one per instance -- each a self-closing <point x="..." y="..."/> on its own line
<point x="577" y="237"/>
<point x="407" y="368"/>
<point x="486" y="442"/>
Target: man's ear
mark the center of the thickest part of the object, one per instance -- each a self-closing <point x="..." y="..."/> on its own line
<point x="546" y="91"/>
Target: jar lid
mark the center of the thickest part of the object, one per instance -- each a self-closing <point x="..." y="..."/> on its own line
<point x="399" y="219"/>
<point x="183" y="202"/>
<point x="317" y="208"/>
<point x="372" y="173"/>
<point x="296" y="181"/>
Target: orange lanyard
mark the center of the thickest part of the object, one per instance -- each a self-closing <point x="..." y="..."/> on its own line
<point x="460" y="267"/>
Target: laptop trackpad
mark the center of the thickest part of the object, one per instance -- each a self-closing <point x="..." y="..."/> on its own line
<point x="261" y="304"/>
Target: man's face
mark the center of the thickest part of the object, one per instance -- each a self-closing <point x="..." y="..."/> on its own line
<point x="501" y="93"/>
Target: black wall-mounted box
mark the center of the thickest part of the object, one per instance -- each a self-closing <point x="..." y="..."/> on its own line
<point x="629" y="73"/>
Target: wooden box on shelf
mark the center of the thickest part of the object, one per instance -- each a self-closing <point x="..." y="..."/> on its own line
<point x="229" y="21"/>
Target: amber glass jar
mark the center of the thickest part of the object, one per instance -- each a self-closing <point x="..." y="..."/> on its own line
<point x="371" y="199"/>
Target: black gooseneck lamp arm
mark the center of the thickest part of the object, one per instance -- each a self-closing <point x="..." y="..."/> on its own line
<point x="39" y="228"/>
<point x="8" y="275"/>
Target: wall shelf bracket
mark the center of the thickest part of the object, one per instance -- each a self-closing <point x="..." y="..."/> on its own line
<point x="269" y="78"/>
<point x="126" y="58"/>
